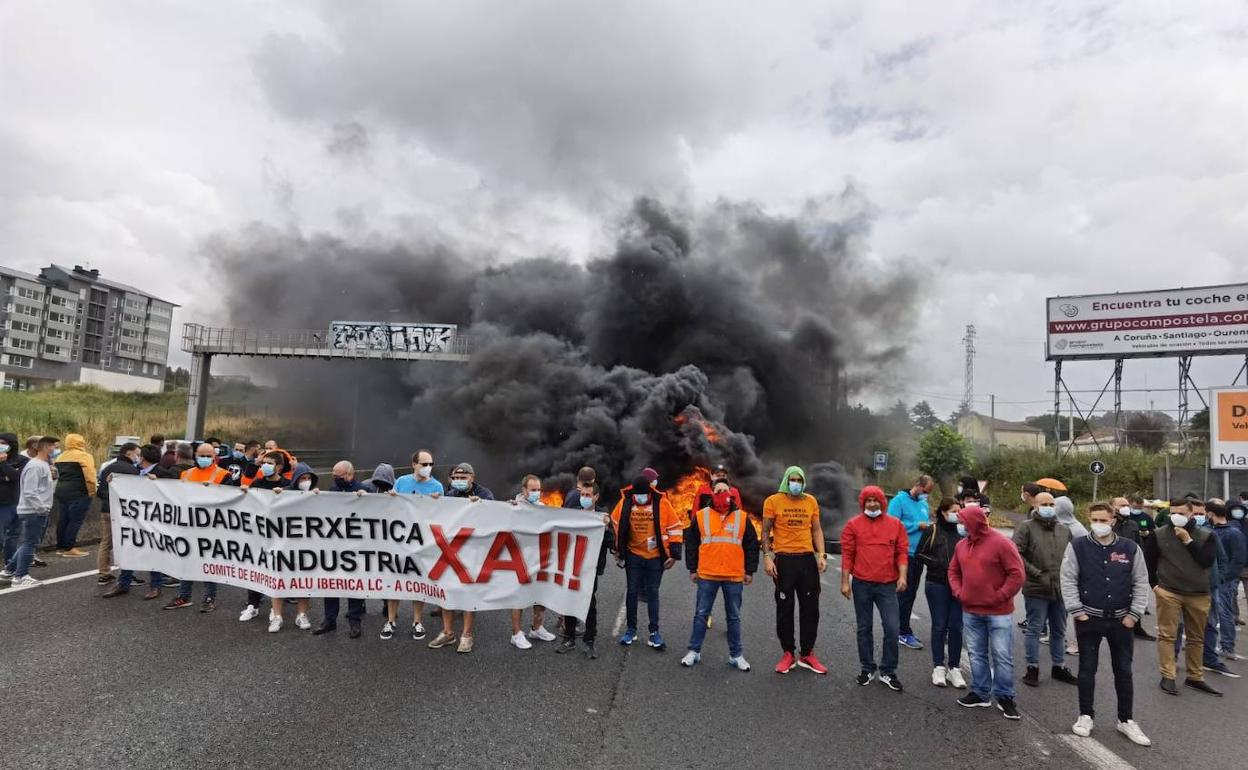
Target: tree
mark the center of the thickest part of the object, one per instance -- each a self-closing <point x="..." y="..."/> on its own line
<point x="943" y="454"/>
<point x="1146" y="431"/>
<point x="963" y="410"/>
<point x="1044" y="422"/>
<point x="923" y="418"/>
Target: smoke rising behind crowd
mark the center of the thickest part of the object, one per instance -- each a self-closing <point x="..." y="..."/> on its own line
<point x="724" y="336"/>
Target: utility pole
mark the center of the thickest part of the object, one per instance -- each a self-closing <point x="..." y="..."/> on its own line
<point x="992" y="414"/>
<point x="968" y="389"/>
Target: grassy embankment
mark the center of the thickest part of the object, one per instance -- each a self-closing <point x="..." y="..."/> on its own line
<point x="101" y="415"/>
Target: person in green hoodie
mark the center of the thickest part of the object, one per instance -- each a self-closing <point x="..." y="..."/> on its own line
<point x="794" y="557"/>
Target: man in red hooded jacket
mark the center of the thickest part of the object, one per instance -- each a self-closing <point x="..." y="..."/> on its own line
<point x="985" y="575"/>
<point x="874" y="551"/>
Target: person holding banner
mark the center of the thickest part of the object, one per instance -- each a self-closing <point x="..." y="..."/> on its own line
<point x="303" y="480"/>
<point x="721" y="554"/>
<point x="419" y="482"/>
<point x="205" y="471"/>
<point x="149" y="461"/>
<point x="530" y="494"/>
<point x="344" y="481"/>
<point x="270" y="475"/>
<point x="648" y="543"/>
<point x="463" y="484"/>
<point x="587" y="493"/>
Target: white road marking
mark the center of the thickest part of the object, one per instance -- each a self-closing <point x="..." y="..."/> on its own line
<point x="49" y="582"/>
<point x="619" y="619"/>
<point x="1095" y="753"/>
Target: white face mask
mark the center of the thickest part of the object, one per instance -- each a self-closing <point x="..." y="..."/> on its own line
<point x="305" y="484"/>
<point x="424" y="471"/>
<point x="1101" y="529"/>
<point x="874" y="513"/>
<point x="1124" y="511"/>
<point x="1178" y="520"/>
<point x="952" y="517"/>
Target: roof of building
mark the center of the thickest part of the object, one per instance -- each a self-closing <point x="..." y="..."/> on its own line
<point x="1005" y="425"/>
<point x="110" y="283"/>
<point x="19" y="274"/>
<point x="1101" y="435"/>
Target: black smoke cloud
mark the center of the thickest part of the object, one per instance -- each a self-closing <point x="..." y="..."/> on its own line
<point x="734" y="320"/>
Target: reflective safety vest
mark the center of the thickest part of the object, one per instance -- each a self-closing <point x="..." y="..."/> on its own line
<point x="721" y="555"/>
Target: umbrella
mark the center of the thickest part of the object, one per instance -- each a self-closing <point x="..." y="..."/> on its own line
<point x="1052" y="485"/>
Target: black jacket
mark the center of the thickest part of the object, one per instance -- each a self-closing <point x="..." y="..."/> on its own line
<point x="11" y="470"/>
<point x="935" y="550"/>
<point x="621" y="536"/>
<point x="120" y="468"/>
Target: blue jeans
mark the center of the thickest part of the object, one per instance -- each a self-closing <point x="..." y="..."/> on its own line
<point x="126" y="578"/>
<point x="33" y="527"/>
<point x="905" y="600"/>
<point x="881" y="596"/>
<point x="732" y="607"/>
<point x="73" y="514"/>
<point x="10" y="531"/>
<point x="184" y="590"/>
<point x="995" y="632"/>
<point x="946" y="624"/>
<point x="643" y="575"/>
<point x="1221" y="622"/>
<point x="1038" y="611"/>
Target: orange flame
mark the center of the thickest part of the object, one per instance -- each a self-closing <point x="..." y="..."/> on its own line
<point x="553" y="498"/>
<point x="708" y="430"/>
<point x="683" y="496"/>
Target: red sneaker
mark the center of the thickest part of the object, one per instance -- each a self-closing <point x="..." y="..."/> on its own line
<point x="786" y="663"/>
<point x="812" y="663"/>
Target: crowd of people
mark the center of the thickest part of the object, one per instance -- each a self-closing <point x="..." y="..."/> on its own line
<point x="1081" y="585"/>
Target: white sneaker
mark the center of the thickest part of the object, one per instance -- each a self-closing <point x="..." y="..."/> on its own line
<point x="275" y="623"/>
<point x="519" y="642"/>
<point x="26" y="581"/>
<point x="939" y="674"/>
<point x="1083" y="726"/>
<point x="541" y="633"/>
<point x="691" y="659"/>
<point x="250" y="613"/>
<point x="1130" y="729"/>
<point x="739" y="663"/>
<point x="5" y="574"/>
<point x="955" y="679"/>
<point x="302" y="622"/>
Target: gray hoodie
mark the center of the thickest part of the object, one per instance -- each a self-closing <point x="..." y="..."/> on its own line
<point x="1066" y="515"/>
<point x="35" y="497"/>
<point x="383" y="473"/>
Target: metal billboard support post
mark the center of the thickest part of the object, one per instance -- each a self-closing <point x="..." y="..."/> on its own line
<point x="197" y="395"/>
<point x="1057" y="409"/>
<point x="1118" y="402"/>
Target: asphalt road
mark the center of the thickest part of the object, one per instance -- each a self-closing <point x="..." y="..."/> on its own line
<point x="94" y="683"/>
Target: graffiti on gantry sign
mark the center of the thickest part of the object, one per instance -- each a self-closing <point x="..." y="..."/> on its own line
<point x="414" y="338"/>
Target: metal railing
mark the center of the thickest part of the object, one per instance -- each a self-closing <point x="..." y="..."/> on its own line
<point x="300" y="343"/>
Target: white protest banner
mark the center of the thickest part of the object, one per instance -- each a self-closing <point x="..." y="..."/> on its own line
<point x="450" y="552"/>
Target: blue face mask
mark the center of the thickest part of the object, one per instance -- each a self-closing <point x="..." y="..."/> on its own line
<point x="641" y="499"/>
<point x="587" y="503"/>
<point x="1199" y="519"/>
<point x="961" y="530"/>
<point x="796" y="487"/>
<point x="4" y="449"/>
<point x="1237" y="513"/>
<point x="1046" y="511"/>
<point x="922" y="497"/>
<point x="534" y="497"/>
<point x="267" y="469"/>
<point x="202" y="461"/>
<point x="237" y="455"/>
<point x="459" y="484"/>
<point x="54" y="454"/>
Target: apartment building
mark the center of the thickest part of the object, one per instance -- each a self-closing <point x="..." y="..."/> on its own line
<point x="70" y="325"/>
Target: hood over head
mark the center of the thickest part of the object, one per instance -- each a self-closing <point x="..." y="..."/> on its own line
<point x="75" y="441"/>
<point x="868" y="493"/>
<point x="976" y="522"/>
<point x="11" y="440"/>
<point x="303" y="469"/>
<point x="790" y="471"/>
<point x="383" y="472"/>
<point x="1065" y="509"/>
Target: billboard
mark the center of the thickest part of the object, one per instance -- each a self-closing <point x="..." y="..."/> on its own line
<point x="375" y="335"/>
<point x="1210" y="320"/>
<point x="1228" y="428"/>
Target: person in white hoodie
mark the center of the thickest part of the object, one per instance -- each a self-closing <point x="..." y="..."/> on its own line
<point x="34" y="506"/>
<point x="1066" y="515"/>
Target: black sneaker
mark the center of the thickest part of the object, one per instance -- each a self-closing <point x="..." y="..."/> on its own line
<point x="865" y="678"/>
<point x="1032" y="677"/>
<point x="37" y="562"/>
<point x="418" y="631"/>
<point x="105" y="579"/>
<point x="1202" y="685"/>
<point x="1062" y="674"/>
<point x="567" y="645"/>
<point x="208" y="605"/>
<point x="171" y="583"/>
<point x="971" y="701"/>
<point x="891" y="682"/>
<point x="591" y="651"/>
<point x="1167" y="686"/>
<point x="1008" y="708"/>
<point x="138" y="581"/>
<point x="354" y="633"/>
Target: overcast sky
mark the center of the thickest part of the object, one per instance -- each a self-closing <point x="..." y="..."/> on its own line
<point x="1016" y="150"/>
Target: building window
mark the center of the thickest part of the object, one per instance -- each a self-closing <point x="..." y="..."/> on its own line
<point x="22" y="362"/>
<point x="18" y="343"/>
<point x="26" y="293"/>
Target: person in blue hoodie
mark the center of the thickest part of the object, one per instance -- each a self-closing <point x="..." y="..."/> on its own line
<point x="910" y="506"/>
<point x="1221" y="622"/>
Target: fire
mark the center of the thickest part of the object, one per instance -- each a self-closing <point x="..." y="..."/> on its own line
<point x="683" y="496"/>
<point x="692" y="413"/>
<point x="553" y="498"/>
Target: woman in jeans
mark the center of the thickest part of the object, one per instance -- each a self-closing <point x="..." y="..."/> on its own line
<point x="935" y="551"/>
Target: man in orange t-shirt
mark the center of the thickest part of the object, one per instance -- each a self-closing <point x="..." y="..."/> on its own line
<point x="793" y="556"/>
<point x="648" y="542"/>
